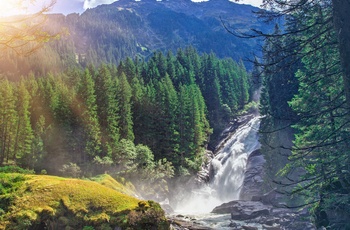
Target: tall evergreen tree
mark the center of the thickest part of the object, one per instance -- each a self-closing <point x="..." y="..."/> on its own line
<point x="8" y="119"/>
<point x="87" y="116"/>
<point x="123" y="96"/>
<point x="167" y="119"/>
<point x="24" y="133"/>
<point x="107" y="108"/>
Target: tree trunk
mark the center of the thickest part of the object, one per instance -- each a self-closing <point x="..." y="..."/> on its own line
<point x="341" y="18"/>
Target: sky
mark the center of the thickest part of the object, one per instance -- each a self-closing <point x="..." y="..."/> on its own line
<point x="10" y="7"/>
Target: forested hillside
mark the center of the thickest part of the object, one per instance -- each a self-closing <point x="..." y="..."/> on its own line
<point x="128" y="28"/>
<point x="146" y="118"/>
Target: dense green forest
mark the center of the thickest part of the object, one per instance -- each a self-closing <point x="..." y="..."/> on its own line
<point x="305" y="129"/>
<point x="149" y="118"/>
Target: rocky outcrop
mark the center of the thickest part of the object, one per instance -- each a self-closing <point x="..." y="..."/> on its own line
<point x="253" y="176"/>
<point x="267" y="216"/>
<point x="203" y="175"/>
<point x="243" y="210"/>
<point x="231" y="129"/>
<point x="181" y="222"/>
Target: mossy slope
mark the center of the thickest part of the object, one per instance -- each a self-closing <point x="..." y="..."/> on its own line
<point x="123" y="186"/>
<point x="48" y="202"/>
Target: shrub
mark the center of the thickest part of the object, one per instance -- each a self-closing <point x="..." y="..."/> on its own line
<point x="15" y="169"/>
<point x="71" y="170"/>
<point x="148" y="215"/>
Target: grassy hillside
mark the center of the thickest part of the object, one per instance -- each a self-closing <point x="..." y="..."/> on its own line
<point x="48" y="202"/>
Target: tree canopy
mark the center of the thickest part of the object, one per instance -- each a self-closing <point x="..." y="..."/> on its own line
<point x="137" y="115"/>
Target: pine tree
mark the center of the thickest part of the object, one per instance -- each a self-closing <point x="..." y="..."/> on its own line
<point x="87" y="117"/>
<point x="8" y="119"/>
<point x="24" y="133"/>
<point x="123" y="96"/>
<point x="107" y="108"/>
<point x="167" y="131"/>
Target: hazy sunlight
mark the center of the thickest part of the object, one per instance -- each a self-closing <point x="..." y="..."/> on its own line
<point x="11" y="8"/>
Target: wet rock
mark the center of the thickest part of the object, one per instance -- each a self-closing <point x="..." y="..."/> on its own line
<point x="243" y="210"/>
<point x="253" y="176"/>
<point x="181" y="222"/>
<point x="234" y="225"/>
<point x="271" y="221"/>
<point x="270" y="217"/>
<point x="274" y="227"/>
<point x="247" y="227"/>
<point x="231" y="129"/>
<point x="270" y="198"/>
<point x="248" y="214"/>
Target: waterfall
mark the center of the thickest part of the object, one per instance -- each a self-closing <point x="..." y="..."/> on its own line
<point x="228" y="168"/>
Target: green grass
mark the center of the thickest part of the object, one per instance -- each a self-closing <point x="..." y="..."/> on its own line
<point x="122" y="186"/>
<point x="38" y="201"/>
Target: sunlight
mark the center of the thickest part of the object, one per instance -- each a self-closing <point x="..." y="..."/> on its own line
<point x="9" y="8"/>
<point x="20" y="7"/>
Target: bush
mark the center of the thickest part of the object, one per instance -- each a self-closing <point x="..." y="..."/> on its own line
<point x="15" y="169"/>
<point x="71" y="170"/>
<point x="148" y="215"/>
<point x="251" y="107"/>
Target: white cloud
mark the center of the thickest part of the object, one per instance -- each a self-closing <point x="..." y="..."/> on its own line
<point x="256" y="3"/>
<point x="94" y="3"/>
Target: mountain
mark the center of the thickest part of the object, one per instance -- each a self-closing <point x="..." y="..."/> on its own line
<point x="150" y="25"/>
<point x="127" y="28"/>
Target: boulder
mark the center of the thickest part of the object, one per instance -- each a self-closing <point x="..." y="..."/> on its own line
<point x="247" y="227"/>
<point x="268" y="216"/>
<point x="274" y="227"/>
<point x="243" y="210"/>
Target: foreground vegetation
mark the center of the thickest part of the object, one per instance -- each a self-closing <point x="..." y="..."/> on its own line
<point x="40" y="202"/>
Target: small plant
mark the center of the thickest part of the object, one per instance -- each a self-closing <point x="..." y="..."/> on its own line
<point x="88" y="228"/>
<point x="71" y="170"/>
<point x="43" y="172"/>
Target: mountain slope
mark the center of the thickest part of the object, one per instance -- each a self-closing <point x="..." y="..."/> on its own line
<point x="127" y="28"/>
<point x="151" y="25"/>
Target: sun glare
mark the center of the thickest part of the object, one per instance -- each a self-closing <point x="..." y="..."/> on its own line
<point x="9" y="8"/>
<point x="19" y="7"/>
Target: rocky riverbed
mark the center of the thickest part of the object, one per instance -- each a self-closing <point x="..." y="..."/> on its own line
<point x="235" y="179"/>
<point x="245" y="215"/>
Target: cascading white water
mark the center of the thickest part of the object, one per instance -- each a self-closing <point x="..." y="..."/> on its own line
<point x="229" y="166"/>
